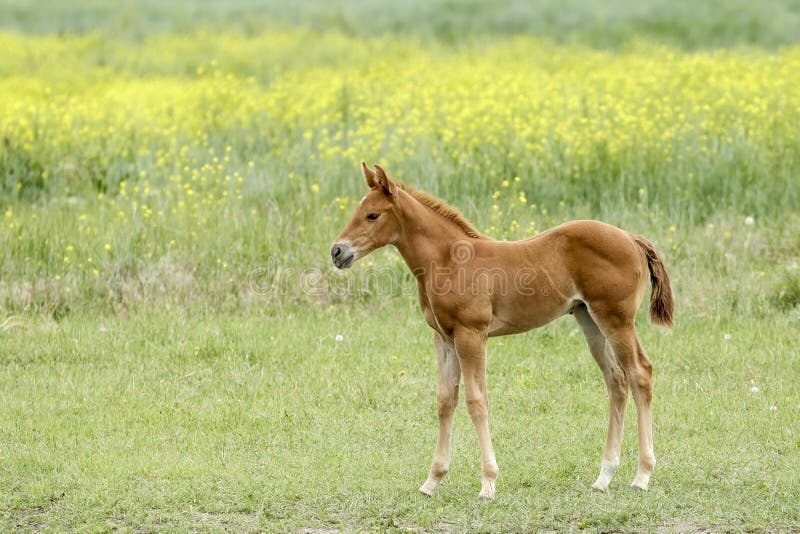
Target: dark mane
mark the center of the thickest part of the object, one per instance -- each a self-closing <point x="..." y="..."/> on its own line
<point x="448" y="212"/>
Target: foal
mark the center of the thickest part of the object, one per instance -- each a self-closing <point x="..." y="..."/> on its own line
<point x="472" y="287"/>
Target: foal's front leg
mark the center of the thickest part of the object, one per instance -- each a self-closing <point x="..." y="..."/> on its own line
<point x="447" y="399"/>
<point x="471" y="348"/>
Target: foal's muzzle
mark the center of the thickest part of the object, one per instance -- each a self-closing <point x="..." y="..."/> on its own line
<point x="342" y="255"/>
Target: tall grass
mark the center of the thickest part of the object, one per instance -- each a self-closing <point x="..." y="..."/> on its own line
<point x="174" y="169"/>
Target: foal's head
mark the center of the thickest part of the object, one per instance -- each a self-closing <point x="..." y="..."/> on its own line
<point x="374" y="224"/>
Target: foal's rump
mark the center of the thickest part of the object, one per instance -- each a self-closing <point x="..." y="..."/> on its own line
<point x="610" y="267"/>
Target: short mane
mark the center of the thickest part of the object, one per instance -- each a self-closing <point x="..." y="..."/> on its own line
<point x="448" y="212"/>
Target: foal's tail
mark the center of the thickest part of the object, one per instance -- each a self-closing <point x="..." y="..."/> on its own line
<point x="661" y="303"/>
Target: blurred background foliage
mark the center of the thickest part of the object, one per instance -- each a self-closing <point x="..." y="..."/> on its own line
<point x="681" y="23"/>
<point x="166" y="152"/>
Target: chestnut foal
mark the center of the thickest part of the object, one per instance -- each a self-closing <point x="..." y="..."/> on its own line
<point x="472" y="287"/>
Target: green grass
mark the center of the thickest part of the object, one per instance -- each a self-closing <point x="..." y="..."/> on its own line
<point x="214" y="421"/>
<point x="195" y="381"/>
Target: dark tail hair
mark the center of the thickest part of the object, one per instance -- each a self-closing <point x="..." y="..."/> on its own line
<point x="661" y="303"/>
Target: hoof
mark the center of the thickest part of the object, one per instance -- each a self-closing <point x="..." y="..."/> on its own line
<point x="487" y="492"/>
<point x="599" y="488"/>
<point x="428" y="488"/>
<point x="640" y="483"/>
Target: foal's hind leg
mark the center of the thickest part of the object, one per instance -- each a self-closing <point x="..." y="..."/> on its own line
<point x="617" y="386"/>
<point x="639" y="371"/>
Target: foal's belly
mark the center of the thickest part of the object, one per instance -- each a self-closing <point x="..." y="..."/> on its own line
<point x="523" y="314"/>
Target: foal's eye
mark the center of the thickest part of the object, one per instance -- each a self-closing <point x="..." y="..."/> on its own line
<point x="373" y="216"/>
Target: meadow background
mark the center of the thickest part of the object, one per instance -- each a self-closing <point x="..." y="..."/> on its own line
<point x="176" y="351"/>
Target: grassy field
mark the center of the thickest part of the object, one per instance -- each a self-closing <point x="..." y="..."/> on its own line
<point x="177" y="352"/>
<point x="162" y="420"/>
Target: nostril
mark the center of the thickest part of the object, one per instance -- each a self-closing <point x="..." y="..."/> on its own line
<point x="336" y="251"/>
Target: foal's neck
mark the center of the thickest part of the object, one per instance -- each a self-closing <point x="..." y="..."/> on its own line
<point x="426" y="237"/>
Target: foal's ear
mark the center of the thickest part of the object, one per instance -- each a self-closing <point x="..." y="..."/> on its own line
<point x="383" y="181"/>
<point x="369" y="176"/>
